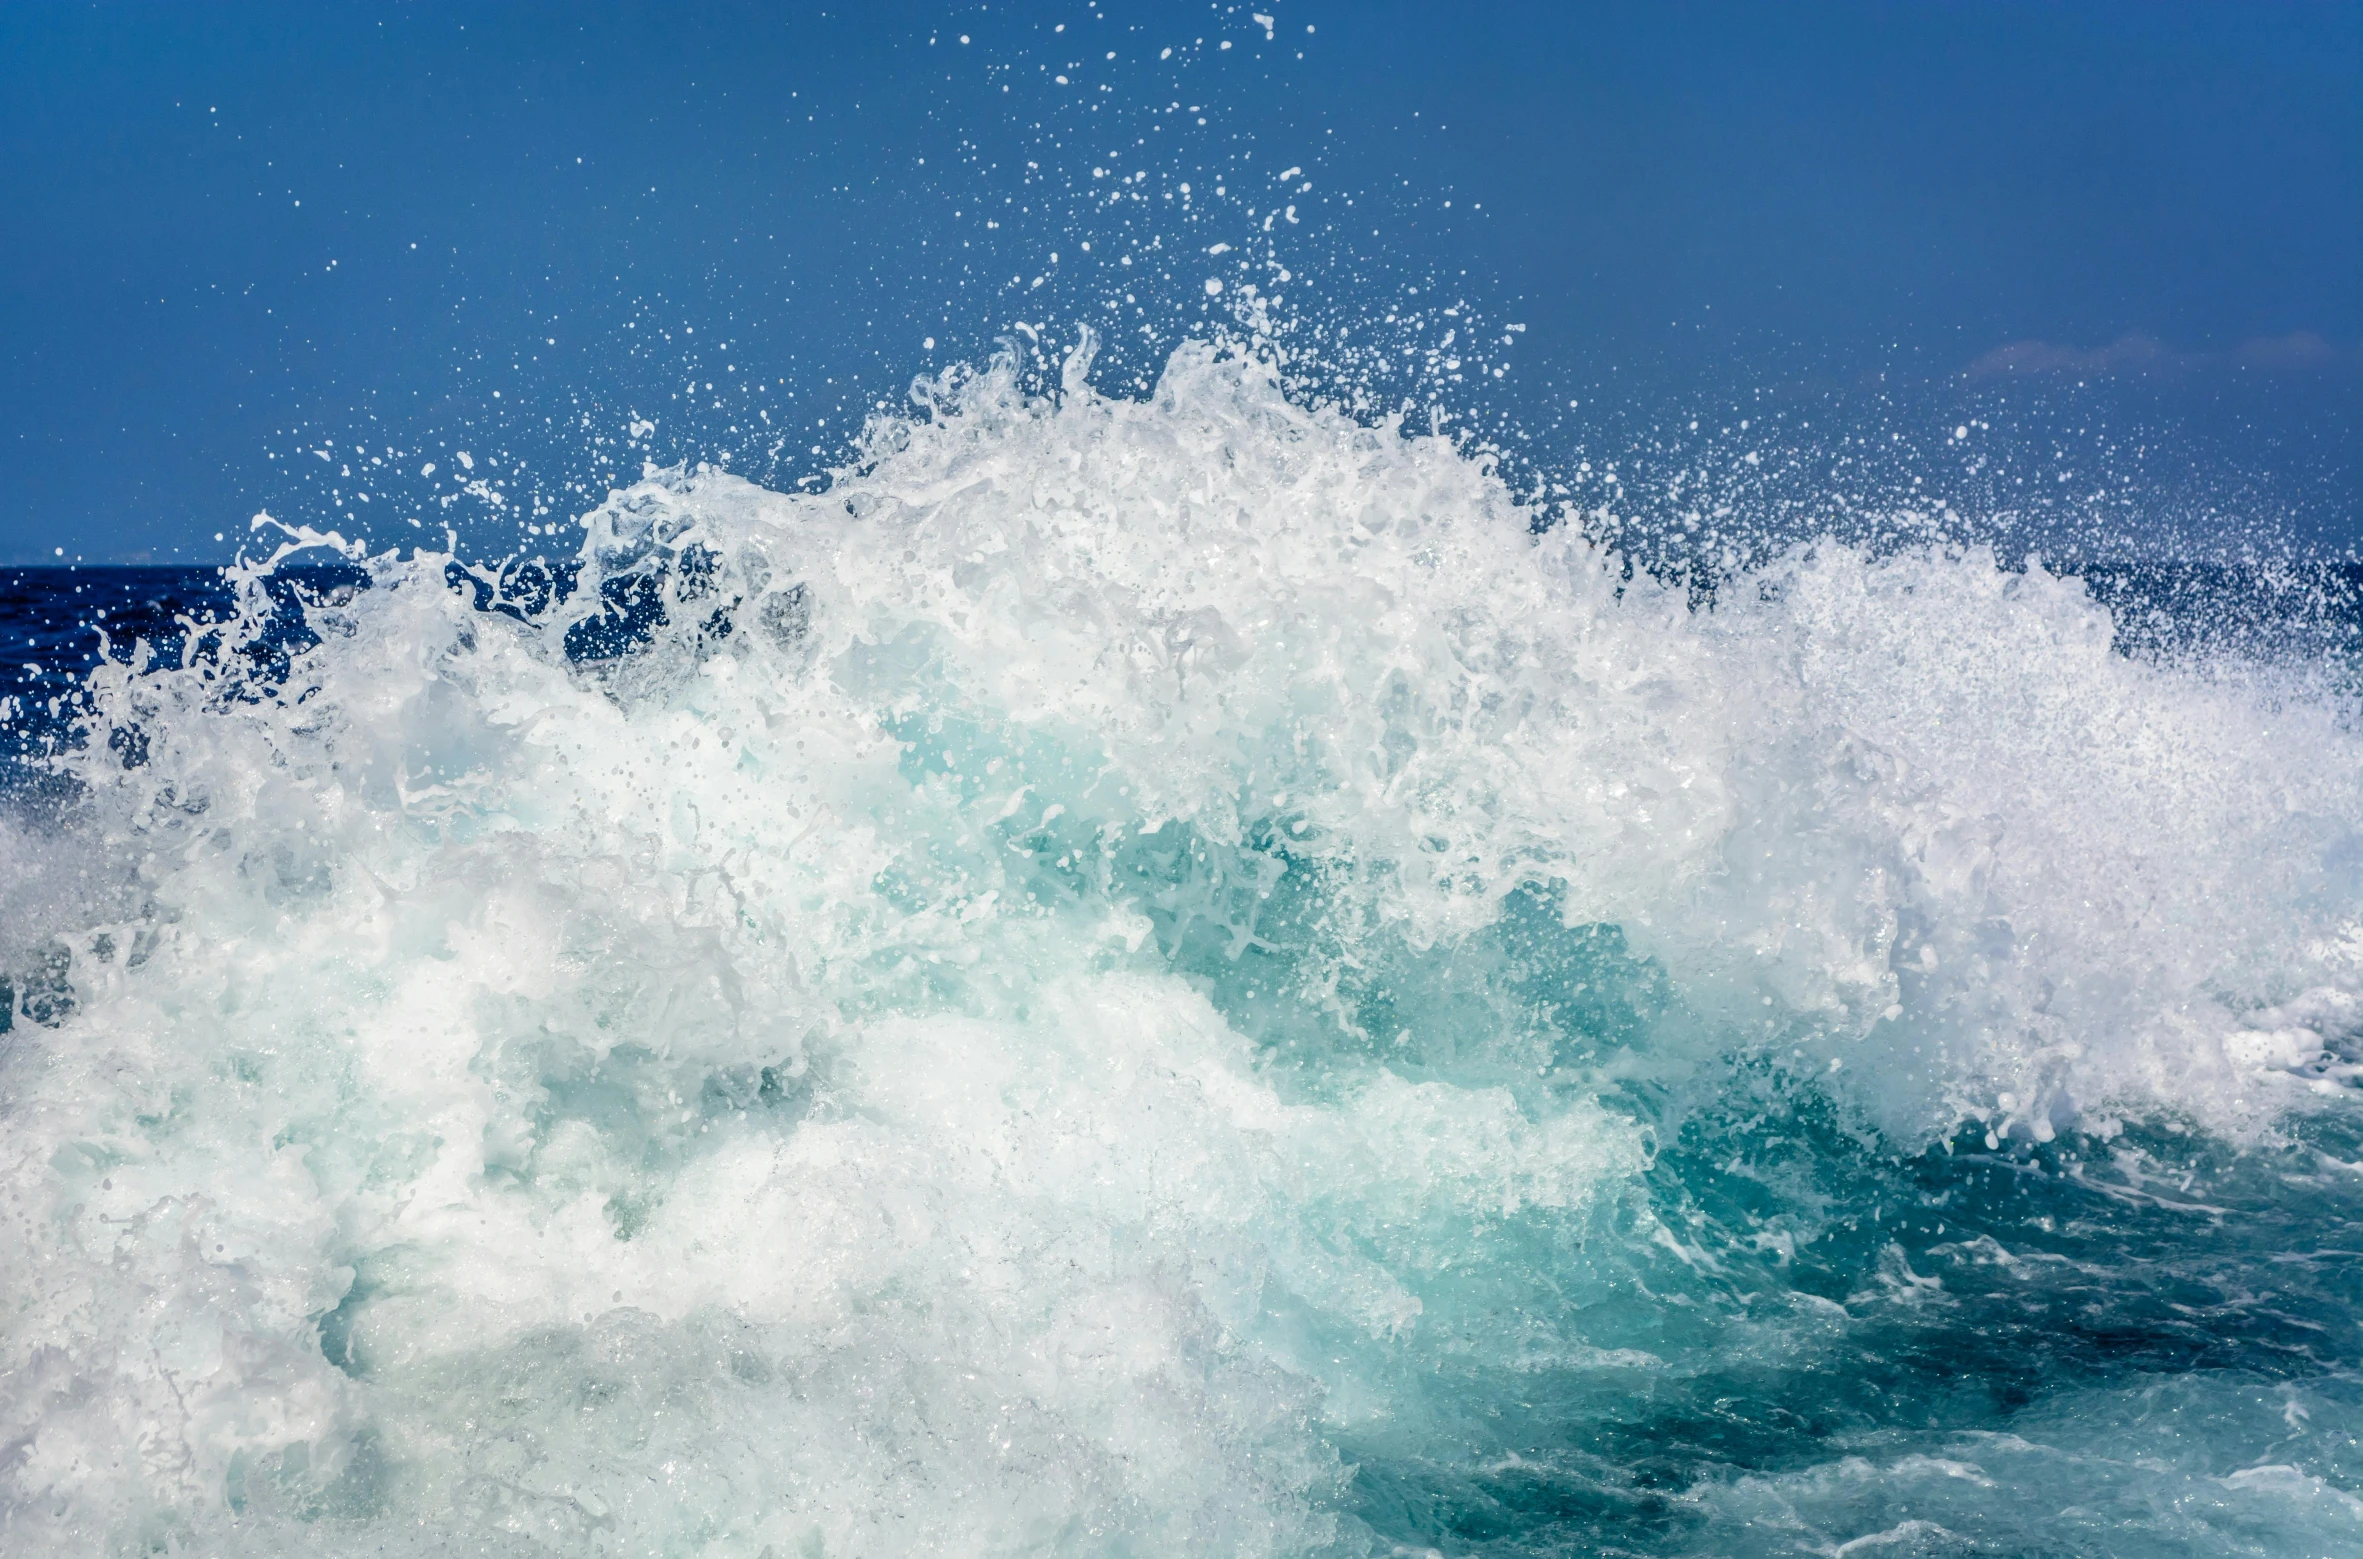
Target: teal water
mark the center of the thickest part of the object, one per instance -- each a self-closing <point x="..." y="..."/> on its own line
<point x="1169" y="975"/>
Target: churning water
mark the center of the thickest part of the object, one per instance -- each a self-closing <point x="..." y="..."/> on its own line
<point x="1172" y="975"/>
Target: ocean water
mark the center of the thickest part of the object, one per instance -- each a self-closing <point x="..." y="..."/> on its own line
<point x="1173" y="974"/>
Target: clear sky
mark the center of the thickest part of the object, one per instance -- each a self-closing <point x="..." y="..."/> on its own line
<point x="239" y="232"/>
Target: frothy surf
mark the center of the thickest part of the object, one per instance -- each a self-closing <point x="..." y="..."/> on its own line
<point x="1143" y="976"/>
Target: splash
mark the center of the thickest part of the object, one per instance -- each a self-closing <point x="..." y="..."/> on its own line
<point x="1174" y="973"/>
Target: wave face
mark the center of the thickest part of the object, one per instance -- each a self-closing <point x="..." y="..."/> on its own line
<point x="1157" y="975"/>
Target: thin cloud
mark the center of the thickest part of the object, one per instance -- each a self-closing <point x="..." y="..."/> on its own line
<point x="2301" y="351"/>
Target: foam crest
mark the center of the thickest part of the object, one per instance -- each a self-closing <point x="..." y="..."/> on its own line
<point x="1022" y="1001"/>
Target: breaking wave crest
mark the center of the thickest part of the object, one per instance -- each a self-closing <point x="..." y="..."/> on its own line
<point x="1172" y="973"/>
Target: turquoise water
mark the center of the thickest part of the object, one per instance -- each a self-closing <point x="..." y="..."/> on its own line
<point x="1169" y="975"/>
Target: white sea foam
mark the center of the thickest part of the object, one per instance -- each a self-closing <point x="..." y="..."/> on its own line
<point x="740" y="1096"/>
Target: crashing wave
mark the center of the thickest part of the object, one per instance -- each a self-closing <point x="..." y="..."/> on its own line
<point x="1057" y="994"/>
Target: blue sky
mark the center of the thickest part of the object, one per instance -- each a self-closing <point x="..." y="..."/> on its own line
<point x="241" y="232"/>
